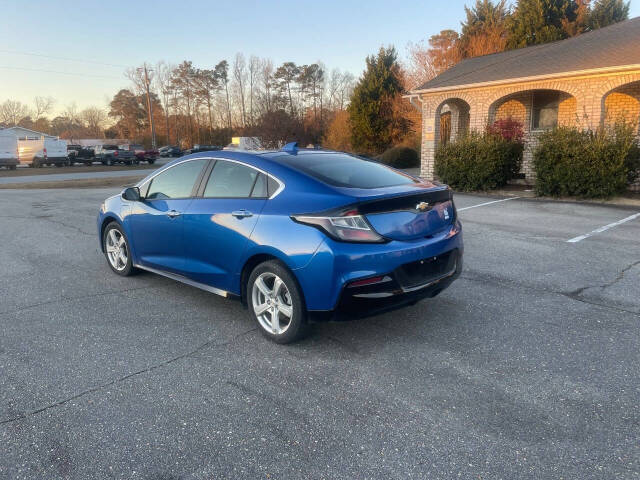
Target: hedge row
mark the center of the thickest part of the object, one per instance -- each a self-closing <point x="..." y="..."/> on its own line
<point x="478" y="162"/>
<point x="584" y="164"/>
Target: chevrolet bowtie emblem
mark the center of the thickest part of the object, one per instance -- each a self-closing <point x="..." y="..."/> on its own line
<point x="422" y="206"/>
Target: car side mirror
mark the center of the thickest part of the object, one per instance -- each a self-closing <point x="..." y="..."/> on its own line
<point x="132" y="194"/>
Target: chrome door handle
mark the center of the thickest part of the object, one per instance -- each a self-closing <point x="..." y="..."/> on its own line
<point x="173" y="213"/>
<point x="242" y="213"/>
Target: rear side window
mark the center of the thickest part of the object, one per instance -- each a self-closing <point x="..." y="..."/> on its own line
<point x="230" y="180"/>
<point x="260" y="187"/>
<point x="348" y="171"/>
<point x="176" y="182"/>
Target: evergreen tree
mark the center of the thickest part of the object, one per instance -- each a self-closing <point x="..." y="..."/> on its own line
<point x="607" y="12"/>
<point x="371" y="111"/>
<point x="484" y="30"/>
<point x="542" y="21"/>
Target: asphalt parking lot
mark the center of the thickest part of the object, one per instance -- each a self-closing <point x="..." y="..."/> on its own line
<point x="527" y="367"/>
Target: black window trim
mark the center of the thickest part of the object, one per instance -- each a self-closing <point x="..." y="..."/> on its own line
<point x="207" y="176"/>
<point x="147" y="183"/>
<point x="200" y="183"/>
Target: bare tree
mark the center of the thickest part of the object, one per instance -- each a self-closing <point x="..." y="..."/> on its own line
<point x="254" y="73"/>
<point x="267" y="83"/>
<point x="12" y="111"/>
<point x="206" y="85"/>
<point x="222" y="74"/>
<point x="94" y="119"/>
<point x="240" y="77"/>
<point x="163" y="83"/>
<point x="42" y="106"/>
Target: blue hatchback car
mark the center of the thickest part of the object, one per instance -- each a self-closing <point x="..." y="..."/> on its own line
<point x="296" y="234"/>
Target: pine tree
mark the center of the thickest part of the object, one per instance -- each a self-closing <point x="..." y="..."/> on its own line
<point x="607" y="12"/>
<point x="542" y="21"/>
<point x="371" y="111"/>
<point x="484" y="30"/>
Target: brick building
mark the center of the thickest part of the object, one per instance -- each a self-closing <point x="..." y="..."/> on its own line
<point x="586" y="81"/>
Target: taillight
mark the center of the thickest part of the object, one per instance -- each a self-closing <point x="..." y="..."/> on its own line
<point x="115" y="154"/>
<point x="44" y="152"/>
<point x="349" y="227"/>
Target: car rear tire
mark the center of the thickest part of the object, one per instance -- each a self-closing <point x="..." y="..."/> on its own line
<point x="109" y="162"/>
<point x="117" y="250"/>
<point x="276" y="303"/>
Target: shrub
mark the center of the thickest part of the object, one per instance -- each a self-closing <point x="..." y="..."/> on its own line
<point x="507" y="128"/>
<point x="478" y="162"/>
<point x="400" y="157"/>
<point x="585" y="164"/>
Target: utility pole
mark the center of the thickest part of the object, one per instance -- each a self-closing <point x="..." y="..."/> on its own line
<point x="149" y="107"/>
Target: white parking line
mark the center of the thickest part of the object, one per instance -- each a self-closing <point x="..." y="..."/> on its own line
<point x="603" y="229"/>
<point x="487" y="203"/>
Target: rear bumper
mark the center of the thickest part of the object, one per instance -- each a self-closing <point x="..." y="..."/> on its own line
<point x="8" y="162"/>
<point x="391" y="293"/>
<point x="328" y="279"/>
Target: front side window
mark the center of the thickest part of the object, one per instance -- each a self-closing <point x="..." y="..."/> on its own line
<point x="176" y="182"/>
<point x="231" y="180"/>
<point x="545" y="110"/>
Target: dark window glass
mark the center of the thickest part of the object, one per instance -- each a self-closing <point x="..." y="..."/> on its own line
<point x="230" y="180"/>
<point x="343" y="170"/>
<point x="260" y="187"/>
<point x="273" y="185"/>
<point x="176" y="182"/>
<point x="545" y="110"/>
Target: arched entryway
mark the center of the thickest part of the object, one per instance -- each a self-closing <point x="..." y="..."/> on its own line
<point x="452" y="120"/>
<point x="622" y="104"/>
<point x="537" y="110"/>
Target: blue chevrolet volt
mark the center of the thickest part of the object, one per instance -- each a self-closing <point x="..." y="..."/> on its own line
<point x="297" y="235"/>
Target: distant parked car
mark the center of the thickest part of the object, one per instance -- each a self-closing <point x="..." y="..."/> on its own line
<point x="170" y="151"/>
<point x="112" y="154"/>
<point x="80" y="154"/>
<point x="202" y="148"/>
<point x="8" y="151"/>
<point x="149" y="156"/>
<point x="36" y="152"/>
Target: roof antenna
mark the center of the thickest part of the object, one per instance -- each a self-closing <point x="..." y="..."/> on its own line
<point x="290" y="148"/>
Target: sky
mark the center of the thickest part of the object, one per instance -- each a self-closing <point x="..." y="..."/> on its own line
<point x="96" y="41"/>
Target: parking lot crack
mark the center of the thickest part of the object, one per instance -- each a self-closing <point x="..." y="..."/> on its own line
<point x="581" y="290"/>
<point x="209" y="343"/>
<point x="575" y="295"/>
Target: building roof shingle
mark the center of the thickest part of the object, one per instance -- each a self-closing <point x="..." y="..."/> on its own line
<point x="612" y="46"/>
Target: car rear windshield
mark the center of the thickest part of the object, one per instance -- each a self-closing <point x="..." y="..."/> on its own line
<point x="342" y="170"/>
<point x="110" y="147"/>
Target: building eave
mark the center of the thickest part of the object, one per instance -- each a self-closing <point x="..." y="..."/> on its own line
<point x="620" y="69"/>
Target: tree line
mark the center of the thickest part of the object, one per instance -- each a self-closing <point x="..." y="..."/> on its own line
<point x="190" y="104"/>
<point x="491" y="27"/>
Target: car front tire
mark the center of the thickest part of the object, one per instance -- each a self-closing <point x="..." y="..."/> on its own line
<point x="117" y="251"/>
<point x="276" y="302"/>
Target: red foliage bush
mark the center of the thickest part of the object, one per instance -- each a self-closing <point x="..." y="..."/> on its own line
<point x="507" y="128"/>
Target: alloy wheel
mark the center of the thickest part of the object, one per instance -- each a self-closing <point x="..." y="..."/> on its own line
<point x="116" y="247"/>
<point x="272" y="303"/>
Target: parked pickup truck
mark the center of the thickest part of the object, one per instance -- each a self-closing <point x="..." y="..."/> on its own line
<point x="141" y="154"/>
<point x="112" y="154"/>
<point x="80" y="154"/>
<point x="149" y="156"/>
